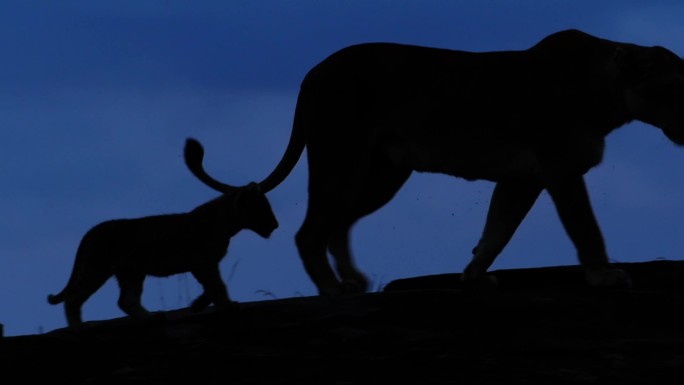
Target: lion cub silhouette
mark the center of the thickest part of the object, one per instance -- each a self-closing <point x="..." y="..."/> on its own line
<point x="163" y="245"/>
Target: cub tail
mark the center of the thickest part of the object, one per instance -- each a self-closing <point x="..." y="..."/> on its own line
<point x="54" y="299"/>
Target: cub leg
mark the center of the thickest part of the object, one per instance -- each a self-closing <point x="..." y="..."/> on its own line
<point x="569" y="194"/>
<point x="510" y="203"/>
<point x="214" y="289"/>
<point x="201" y="302"/>
<point x="82" y="290"/>
<point x="131" y="285"/>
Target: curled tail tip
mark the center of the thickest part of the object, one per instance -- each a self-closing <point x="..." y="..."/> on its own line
<point x="194" y="152"/>
<point x="190" y="139"/>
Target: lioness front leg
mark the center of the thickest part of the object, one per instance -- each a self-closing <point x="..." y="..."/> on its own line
<point x="569" y="194"/>
<point x="510" y="203"/>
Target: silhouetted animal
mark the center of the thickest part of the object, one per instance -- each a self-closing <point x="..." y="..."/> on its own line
<point x="163" y="245"/>
<point x="371" y="114"/>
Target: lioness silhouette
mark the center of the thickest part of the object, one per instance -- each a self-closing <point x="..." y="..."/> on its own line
<point x="371" y="114"/>
<point x="163" y="245"/>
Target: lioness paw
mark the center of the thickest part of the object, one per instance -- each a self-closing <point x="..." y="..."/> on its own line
<point x="609" y="277"/>
<point x="353" y="287"/>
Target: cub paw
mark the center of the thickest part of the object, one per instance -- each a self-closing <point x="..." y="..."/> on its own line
<point x="230" y="307"/>
<point x="155" y="318"/>
<point x="482" y="283"/>
<point x="346" y="287"/>
<point x="199" y="304"/>
<point x="609" y="277"/>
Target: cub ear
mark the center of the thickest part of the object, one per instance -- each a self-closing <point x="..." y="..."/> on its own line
<point x="247" y="192"/>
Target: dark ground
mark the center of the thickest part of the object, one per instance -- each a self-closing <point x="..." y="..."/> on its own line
<point x="542" y="326"/>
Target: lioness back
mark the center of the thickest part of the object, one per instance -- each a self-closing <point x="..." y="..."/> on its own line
<point x="531" y="120"/>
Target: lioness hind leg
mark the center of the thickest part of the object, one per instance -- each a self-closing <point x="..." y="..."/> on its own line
<point x="311" y="240"/>
<point x="338" y="198"/>
<point x="509" y="205"/>
<point x="381" y="182"/>
<point x="352" y="278"/>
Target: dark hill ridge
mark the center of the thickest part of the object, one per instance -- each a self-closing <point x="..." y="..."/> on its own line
<point x="542" y="326"/>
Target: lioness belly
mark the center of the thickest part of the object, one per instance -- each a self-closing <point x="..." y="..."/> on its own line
<point x="466" y="159"/>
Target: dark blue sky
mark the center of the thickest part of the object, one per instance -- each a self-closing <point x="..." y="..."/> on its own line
<point x="97" y="99"/>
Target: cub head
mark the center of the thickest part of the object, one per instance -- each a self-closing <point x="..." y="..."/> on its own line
<point x="254" y="210"/>
<point x="654" y="87"/>
<point x="246" y="206"/>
